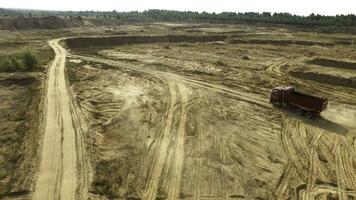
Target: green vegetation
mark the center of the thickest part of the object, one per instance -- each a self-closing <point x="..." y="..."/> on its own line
<point x="26" y="61"/>
<point x="106" y="183"/>
<point x="224" y="17"/>
<point x="30" y="60"/>
<point x="110" y="176"/>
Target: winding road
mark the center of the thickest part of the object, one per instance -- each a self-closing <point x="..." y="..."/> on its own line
<point x="58" y="175"/>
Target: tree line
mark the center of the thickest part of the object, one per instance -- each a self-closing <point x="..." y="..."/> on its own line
<point x="224" y="17"/>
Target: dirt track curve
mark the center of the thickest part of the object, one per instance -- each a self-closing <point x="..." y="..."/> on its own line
<point x="237" y="94"/>
<point x="58" y="176"/>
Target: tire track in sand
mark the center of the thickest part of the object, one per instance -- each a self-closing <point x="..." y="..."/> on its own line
<point x="313" y="167"/>
<point x="340" y="173"/>
<point x="178" y="160"/>
<point x="179" y="100"/>
<point x="242" y="95"/>
<point x="281" y="191"/>
<point x="198" y="168"/>
<point x="161" y="151"/>
<point x="347" y="161"/>
<point x="288" y="146"/>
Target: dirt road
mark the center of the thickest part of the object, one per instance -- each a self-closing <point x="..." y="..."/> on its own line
<point x="58" y="171"/>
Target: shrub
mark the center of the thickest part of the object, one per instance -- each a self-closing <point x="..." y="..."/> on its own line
<point x="15" y="64"/>
<point x="27" y="61"/>
<point x="6" y="65"/>
<point x="30" y="60"/>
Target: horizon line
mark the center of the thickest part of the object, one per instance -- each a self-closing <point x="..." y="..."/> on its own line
<point x="122" y="11"/>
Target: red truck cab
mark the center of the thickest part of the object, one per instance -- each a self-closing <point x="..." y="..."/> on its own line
<point x="304" y="103"/>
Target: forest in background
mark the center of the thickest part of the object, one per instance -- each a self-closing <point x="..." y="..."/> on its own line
<point x="224" y="17"/>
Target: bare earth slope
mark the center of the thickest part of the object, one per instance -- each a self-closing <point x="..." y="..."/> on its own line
<point x="39" y="23"/>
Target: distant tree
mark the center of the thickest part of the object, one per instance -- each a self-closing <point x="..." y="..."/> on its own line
<point x="228" y="17"/>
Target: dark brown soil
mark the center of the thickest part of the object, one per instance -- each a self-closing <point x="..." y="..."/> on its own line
<point x="39" y="23"/>
<point x="325" y="78"/>
<point x="281" y="42"/>
<point x="333" y="63"/>
<point x="122" y="40"/>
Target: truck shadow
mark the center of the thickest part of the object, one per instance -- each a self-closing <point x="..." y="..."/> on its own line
<point x="317" y="121"/>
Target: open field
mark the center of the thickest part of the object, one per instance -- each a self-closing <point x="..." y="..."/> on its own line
<point x="179" y="111"/>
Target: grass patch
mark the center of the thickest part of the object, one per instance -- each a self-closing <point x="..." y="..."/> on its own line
<point x="24" y="61"/>
<point x="24" y="56"/>
<point x="105" y="183"/>
<point x="114" y="178"/>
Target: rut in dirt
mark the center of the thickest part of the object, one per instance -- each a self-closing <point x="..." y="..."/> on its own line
<point x="315" y="170"/>
<point x="180" y="103"/>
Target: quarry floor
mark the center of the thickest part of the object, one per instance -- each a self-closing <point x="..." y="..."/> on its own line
<point x="192" y="120"/>
<point x="179" y="120"/>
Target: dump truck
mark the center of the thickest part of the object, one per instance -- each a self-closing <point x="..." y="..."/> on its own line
<point x="304" y="104"/>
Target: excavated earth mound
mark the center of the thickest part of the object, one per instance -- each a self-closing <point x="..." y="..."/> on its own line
<point x="281" y="42"/>
<point x="121" y="40"/>
<point x="325" y="78"/>
<point x="333" y="63"/>
<point x="39" y="23"/>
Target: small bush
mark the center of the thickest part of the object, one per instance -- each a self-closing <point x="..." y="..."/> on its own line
<point x="6" y="65"/>
<point x="30" y="60"/>
<point x="15" y="63"/>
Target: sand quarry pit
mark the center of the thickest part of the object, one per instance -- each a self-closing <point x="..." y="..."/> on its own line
<point x="176" y="119"/>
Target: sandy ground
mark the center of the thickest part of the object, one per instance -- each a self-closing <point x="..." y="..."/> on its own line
<point x="192" y="121"/>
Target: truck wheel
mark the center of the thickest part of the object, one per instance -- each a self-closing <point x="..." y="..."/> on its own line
<point x="300" y="111"/>
<point x="309" y="114"/>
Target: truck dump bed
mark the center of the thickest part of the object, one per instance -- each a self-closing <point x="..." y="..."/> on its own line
<point x="306" y="102"/>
